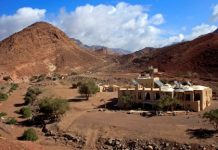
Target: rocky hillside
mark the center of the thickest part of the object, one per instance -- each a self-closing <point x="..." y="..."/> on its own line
<point x="42" y="48"/>
<point x="199" y="55"/>
<point x="101" y="50"/>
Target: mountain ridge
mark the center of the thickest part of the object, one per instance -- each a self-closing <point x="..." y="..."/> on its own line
<point x="43" y="48"/>
<point x="197" y="56"/>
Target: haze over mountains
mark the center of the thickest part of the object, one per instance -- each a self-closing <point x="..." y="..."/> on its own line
<point x="43" y="48"/>
<point x="101" y="49"/>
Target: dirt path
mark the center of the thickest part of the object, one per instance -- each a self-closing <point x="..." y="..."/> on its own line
<point x="67" y="125"/>
<point x="91" y="138"/>
<point x="13" y="102"/>
<point x="10" y="106"/>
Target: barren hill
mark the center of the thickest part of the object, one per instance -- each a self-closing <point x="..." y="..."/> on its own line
<point x="199" y="55"/>
<point x="42" y="48"/>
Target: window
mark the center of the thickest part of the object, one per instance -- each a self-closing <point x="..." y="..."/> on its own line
<point x="157" y="96"/>
<point x="148" y="97"/>
<point x="187" y="97"/>
<point x="197" y="97"/>
<point x="139" y="95"/>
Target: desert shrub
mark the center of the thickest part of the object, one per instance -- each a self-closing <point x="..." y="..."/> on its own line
<point x="3" y="96"/>
<point x="41" y="77"/>
<point x="212" y="116"/>
<point x="2" y="114"/>
<point x="7" y="78"/>
<point x="26" y="112"/>
<point x="167" y="103"/>
<point x="88" y="89"/>
<point x="13" y="87"/>
<point x="31" y="95"/>
<point x="30" y="135"/>
<point x="79" y="84"/>
<point x="126" y="101"/>
<point x="11" y="121"/>
<point x="33" y="78"/>
<point x="53" y="107"/>
<point x="38" y="78"/>
<point x="74" y="86"/>
<point x="73" y="73"/>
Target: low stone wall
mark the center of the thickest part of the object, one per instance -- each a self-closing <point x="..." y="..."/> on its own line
<point x="140" y="144"/>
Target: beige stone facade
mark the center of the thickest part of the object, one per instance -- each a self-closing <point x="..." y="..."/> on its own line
<point x="150" y="90"/>
<point x="108" y="88"/>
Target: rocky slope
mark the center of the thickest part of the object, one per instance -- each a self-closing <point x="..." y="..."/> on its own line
<point x="199" y="55"/>
<point x="101" y="50"/>
<point x="42" y="48"/>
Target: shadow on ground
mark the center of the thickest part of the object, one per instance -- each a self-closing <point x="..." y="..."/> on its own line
<point x="19" y="104"/>
<point x="36" y="121"/>
<point x="78" y="99"/>
<point x="110" y="104"/>
<point x="201" y="133"/>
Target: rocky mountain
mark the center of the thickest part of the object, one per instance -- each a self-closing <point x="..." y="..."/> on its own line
<point x="216" y="31"/>
<point x="102" y="49"/>
<point x="42" y="48"/>
<point x="197" y="56"/>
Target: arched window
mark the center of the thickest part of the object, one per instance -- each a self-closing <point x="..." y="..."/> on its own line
<point x="148" y="97"/>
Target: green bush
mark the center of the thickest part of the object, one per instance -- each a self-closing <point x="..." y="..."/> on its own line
<point x="88" y="89"/>
<point x="2" y="114"/>
<point x="126" y="101"/>
<point x="26" y="112"/>
<point x="3" y="96"/>
<point x="53" y="107"/>
<point x="31" y="95"/>
<point x="212" y="116"/>
<point x="11" y="121"/>
<point x="13" y="87"/>
<point x="30" y="135"/>
<point x="167" y="103"/>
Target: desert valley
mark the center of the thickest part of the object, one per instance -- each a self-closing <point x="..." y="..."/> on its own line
<point x="41" y="66"/>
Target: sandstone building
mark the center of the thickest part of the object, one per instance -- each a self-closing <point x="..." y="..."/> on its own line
<point x="148" y="90"/>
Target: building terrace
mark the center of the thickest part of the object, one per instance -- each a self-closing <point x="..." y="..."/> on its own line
<point x="150" y="90"/>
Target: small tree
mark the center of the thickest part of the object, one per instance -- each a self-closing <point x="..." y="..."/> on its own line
<point x="31" y="95"/>
<point x="167" y="102"/>
<point x="212" y="116"/>
<point x="53" y="108"/>
<point x="173" y="102"/>
<point x="30" y="135"/>
<point x="13" y="87"/>
<point x="11" y="121"/>
<point x="3" y="96"/>
<point x="160" y="104"/>
<point x="88" y="89"/>
<point x="26" y="112"/>
<point x="2" y="114"/>
<point x="126" y="101"/>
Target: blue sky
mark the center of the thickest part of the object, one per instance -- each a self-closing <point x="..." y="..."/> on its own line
<point x="164" y="21"/>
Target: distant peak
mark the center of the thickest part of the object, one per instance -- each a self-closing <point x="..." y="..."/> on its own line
<point x="216" y="31"/>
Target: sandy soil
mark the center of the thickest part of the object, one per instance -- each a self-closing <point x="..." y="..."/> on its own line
<point x="84" y="119"/>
